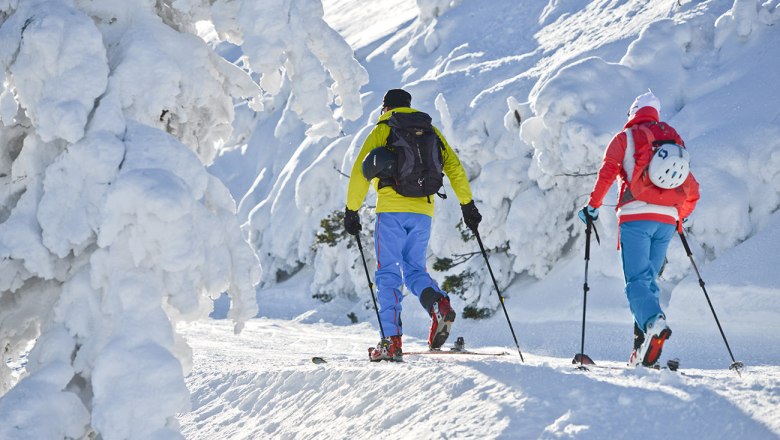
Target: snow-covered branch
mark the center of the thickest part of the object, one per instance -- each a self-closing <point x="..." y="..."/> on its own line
<point x="111" y="228"/>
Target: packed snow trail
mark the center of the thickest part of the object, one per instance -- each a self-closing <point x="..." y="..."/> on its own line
<point x="262" y="384"/>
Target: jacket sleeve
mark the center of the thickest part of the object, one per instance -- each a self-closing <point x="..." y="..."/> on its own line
<point x="358" y="185"/>
<point x="610" y="168"/>
<point x="455" y="172"/>
<point x="692" y="197"/>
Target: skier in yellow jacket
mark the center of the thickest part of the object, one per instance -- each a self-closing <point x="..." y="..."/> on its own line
<point x="403" y="222"/>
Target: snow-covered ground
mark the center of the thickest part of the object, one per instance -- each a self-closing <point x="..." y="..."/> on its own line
<point x="263" y="384"/>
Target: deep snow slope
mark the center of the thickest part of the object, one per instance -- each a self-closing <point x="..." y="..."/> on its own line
<point x="262" y="384"/>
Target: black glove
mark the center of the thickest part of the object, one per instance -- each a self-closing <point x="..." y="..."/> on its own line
<point x="471" y="216"/>
<point x="352" y="222"/>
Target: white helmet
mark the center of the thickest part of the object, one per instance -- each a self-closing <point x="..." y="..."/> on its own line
<point x="669" y="166"/>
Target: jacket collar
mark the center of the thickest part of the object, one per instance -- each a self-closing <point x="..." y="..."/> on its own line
<point x="386" y="115"/>
<point x="644" y="114"/>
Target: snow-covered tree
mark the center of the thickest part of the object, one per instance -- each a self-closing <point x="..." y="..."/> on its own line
<point x="529" y="100"/>
<point x="111" y="228"/>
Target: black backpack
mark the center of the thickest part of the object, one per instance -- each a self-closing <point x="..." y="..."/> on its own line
<point x="418" y="170"/>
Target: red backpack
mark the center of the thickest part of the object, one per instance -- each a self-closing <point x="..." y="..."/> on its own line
<point x="641" y="143"/>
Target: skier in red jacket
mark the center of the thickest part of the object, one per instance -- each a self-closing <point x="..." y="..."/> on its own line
<point x="647" y="222"/>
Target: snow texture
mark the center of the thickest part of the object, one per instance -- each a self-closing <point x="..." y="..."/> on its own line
<point x="111" y="228"/>
<point x="529" y="97"/>
<point x="114" y="236"/>
<point x="263" y="384"/>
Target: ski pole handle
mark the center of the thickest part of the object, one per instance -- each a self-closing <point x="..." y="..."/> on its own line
<point x="588" y="226"/>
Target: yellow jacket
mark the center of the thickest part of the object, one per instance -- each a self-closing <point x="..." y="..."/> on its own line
<point x="390" y="201"/>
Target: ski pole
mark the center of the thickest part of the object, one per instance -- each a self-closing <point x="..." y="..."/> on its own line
<point x="370" y="285"/>
<point x="735" y="365"/>
<point x="581" y="357"/>
<point x="498" y="291"/>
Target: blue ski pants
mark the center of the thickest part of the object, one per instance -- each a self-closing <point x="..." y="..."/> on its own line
<point x="643" y="245"/>
<point x="401" y="242"/>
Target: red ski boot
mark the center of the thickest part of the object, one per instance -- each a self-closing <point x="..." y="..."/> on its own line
<point x="388" y="349"/>
<point x="442" y="317"/>
<point x="656" y="334"/>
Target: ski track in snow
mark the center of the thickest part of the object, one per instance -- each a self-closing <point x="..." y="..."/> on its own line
<point x="262" y="384"/>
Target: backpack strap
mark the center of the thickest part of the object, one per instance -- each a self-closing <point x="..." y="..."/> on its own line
<point x="386" y="181"/>
<point x="629" y="162"/>
<point x="648" y="134"/>
<point x="628" y="159"/>
<point x="651" y="138"/>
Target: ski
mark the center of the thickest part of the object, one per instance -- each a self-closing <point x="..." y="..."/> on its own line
<point x="671" y="365"/>
<point x="457" y="349"/>
<point x="454" y="352"/>
<point x="322" y="360"/>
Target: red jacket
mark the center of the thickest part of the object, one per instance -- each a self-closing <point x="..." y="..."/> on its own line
<point x="630" y="209"/>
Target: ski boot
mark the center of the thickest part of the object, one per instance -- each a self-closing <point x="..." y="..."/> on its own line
<point x="656" y="333"/>
<point x="388" y="349"/>
<point x="442" y="317"/>
<point x="639" y="338"/>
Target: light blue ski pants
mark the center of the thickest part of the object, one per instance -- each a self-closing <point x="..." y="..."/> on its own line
<point x="401" y="244"/>
<point x="643" y="245"/>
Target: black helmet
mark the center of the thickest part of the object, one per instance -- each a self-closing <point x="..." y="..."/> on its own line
<point x="380" y="162"/>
